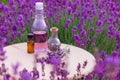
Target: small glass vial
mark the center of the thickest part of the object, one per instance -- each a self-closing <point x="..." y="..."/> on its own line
<point x="54" y="42"/>
<point x="30" y="43"/>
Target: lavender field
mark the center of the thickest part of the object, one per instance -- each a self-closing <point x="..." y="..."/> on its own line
<point x="93" y="25"/>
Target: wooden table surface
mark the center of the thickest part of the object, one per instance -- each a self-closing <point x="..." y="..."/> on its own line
<point x="18" y="53"/>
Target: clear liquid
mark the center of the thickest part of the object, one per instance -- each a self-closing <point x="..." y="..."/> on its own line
<point x="40" y="38"/>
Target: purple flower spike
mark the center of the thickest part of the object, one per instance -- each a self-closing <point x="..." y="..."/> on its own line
<point x="11" y="2"/>
<point x="67" y="23"/>
<point x="85" y="64"/>
<point x="117" y="76"/>
<point x="79" y="66"/>
<point x="74" y="29"/>
<point x="54" y="60"/>
<point x="15" y="67"/>
<point x="25" y="75"/>
<point x="15" y="28"/>
<point x="69" y="10"/>
<point x="42" y="60"/>
<point x="7" y="77"/>
<point x="99" y="23"/>
<point x="35" y="73"/>
<point x="52" y="74"/>
<point x="115" y="54"/>
<point x="64" y="73"/>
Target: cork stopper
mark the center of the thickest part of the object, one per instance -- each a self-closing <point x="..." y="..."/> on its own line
<point x="54" y="29"/>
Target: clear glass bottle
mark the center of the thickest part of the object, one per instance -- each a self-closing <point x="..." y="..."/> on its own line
<point x="54" y="42"/>
<point x="39" y="28"/>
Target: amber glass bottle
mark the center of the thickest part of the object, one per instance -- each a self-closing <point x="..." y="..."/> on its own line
<point x="30" y="43"/>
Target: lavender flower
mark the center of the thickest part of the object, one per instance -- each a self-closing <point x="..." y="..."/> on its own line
<point x="67" y="23"/>
<point x="52" y="73"/>
<point x="64" y="74"/>
<point x="35" y="74"/>
<point x="54" y="60"/>
<point x="2" y="52"/>
<point x="84" y="64"/>
<point x="15" y="67"/>
<point x="25" y="75"/>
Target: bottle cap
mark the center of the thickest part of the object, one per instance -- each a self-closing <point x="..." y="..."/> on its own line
<point x="39" y="5"/>
<point x="30" y="36"/>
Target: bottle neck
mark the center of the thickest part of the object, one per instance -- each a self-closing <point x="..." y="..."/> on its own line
<point x="54" y="34"/>
<point x="39" y="14"/>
